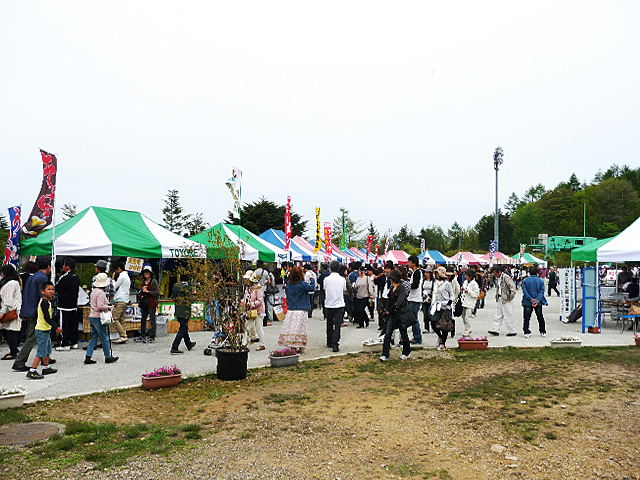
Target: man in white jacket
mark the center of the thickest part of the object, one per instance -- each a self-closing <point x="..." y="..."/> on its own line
<point x="505" y="294"/>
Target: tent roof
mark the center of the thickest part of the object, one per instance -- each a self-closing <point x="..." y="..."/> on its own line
<point x="624" y="247"/>
<point x="436" y="256"/>
<point x="336" y="254"/>
<point x="528" y="258"/>
<point x="255" y="248"/>
<point x="589" y="252"/>
<point x="467" y="258"/>
<point x="277" y="238"/>
<point x="106" y="232"/>
<point x="397" y="256"/>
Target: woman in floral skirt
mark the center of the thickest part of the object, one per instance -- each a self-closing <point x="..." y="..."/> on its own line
<point x="294" y="327"/>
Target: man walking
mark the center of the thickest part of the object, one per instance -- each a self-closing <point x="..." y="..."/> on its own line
<point x="505" y="293"/>
<point x="553" y="282"/>
<point x="415" y="297"/>
<point x="334" y="288"/>
<point x="67" y="290"/>
<point x="321" y="300"/>
<point x="121" y="299"/>
<point x="532" y="300"/>
<point x="30" y="300"/>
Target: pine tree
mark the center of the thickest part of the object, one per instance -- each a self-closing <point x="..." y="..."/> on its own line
<point x="4" y="224"/>
<point x="172" y="213"/>
<point x="69" y="210"/>
<point x="195" y="224"/>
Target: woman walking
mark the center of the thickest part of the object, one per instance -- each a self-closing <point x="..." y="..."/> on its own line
<point x="253" y="301"/>
<point x="99" y="303"/>
<point x="442" y="298"/>
<point x="147" y="301"/>
<point x="470" y="292"/>
<point x="364" y="294"/>
<point x="11" y="300"/>
<point x="294" y="327"/>
<point x="396" y="304"/>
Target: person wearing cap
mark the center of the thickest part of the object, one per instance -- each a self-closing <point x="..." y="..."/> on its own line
<point x="396" y="301"/>
<point x="442" y="297"/>
<point x="505" y="294"/>
<point x="99" y="303"/>
<point x="253" y="299"/>
<point x="148" y="301"/>
<point x="110" y="290"/>
<point x="181" y="294"/>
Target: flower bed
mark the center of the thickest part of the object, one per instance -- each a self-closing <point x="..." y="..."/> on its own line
<point x="12" y="397"/>
<point x="480" y="343"/>
<point x="284" y="358"/>
<point x="566" y="341"/>
<point x="162" y="377"/>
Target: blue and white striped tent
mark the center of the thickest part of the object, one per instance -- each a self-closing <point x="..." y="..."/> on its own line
<point x="277" y="238"/>
<point x="435" y="256"/>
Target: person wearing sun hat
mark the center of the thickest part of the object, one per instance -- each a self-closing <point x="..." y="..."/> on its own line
<point x="99" y="303"/>
<point x="253" y="299"/>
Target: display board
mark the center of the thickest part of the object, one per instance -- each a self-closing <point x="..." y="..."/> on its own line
<point x="567" y="283"/>
<point x="590" y="298"/>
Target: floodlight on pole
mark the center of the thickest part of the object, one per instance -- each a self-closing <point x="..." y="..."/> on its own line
<point x="497" y="161"/>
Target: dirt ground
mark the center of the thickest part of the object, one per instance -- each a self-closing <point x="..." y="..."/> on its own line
<point x="442" y="415"/>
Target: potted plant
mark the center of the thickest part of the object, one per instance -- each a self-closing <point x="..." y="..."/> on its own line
<point x="637" y="338"/>
<point x="162" y="377"/>
<point x="284" y="358"/>
<point x="371" y="345"/>
<point x="217" y="284"/>
<point x="480" y="343"/>
<point x="12" y="397"/>
<point x="566" y="341"/>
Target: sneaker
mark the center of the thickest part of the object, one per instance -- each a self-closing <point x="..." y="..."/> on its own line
<point x="543" y="334"/>
<point x="74" y="346"/>
<point x="34" y="375"/>
<point x="404" y="357"/>
<point x="121" y="340"/>
<point x="527" y="335"/>
<point x="48" y="370"/>
<point x="139" y="339"/>
<point x="20" y="368"/>
<point x="193" y="344"/>
<point x="494" y="333"/>
<point x="111" y="360"/>
<point x="384" y="358"/>
<point x="441" y="347"/>
<point x="149" y="340"/>
<point x="176" y="352"/>
<point x="63" y="349"/>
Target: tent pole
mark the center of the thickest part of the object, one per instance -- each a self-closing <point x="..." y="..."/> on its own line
<point x="53" y="242"/>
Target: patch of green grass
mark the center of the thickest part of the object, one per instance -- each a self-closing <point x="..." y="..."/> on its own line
<point x="13" y="415"/>
<point x="441" y="474"/>
<point x="550" y="435"/>
<point x="295" y="398"/>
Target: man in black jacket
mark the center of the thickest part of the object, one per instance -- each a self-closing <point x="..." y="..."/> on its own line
<point x="325" y="273"/>
<point x="67" y="290"/>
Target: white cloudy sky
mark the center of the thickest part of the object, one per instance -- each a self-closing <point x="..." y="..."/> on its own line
<point x="389" y="109"/>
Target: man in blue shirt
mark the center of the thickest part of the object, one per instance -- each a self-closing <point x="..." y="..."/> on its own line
<point x="532" y="300"/>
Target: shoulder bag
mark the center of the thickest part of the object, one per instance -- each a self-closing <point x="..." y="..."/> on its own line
<point x="446" y="323"/>
<point x="406" y="317"/>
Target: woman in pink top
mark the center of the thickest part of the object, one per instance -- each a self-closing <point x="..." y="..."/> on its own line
<point x="254" y="300"/>
<point x="99" y="303"/>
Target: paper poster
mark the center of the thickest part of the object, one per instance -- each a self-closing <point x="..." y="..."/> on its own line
<point x="567" y="284"/>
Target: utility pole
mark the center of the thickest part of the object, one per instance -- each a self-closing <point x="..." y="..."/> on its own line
<point x="497" y="161"/>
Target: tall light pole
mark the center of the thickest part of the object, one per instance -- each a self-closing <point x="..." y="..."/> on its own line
<point x="497" y="161"/>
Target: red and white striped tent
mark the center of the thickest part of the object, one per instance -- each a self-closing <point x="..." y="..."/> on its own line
<point x="468" y="258"/>
<point x="396" y="256"/>
<point x="498" y="257"/>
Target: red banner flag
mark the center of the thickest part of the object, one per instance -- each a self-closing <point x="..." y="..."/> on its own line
<point x="42" y="212"/>
<point x="377" y="247"/>
<point x="369" y="243"/>
<point x="287" y="225"/>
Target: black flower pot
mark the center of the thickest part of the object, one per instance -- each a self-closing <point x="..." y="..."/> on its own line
<point x="232" y="365"/>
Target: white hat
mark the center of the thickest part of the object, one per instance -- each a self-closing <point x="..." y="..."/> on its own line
<point x="102" y="280"/>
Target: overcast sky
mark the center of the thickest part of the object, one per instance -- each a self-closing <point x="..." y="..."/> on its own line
<point x="389" y="109"/>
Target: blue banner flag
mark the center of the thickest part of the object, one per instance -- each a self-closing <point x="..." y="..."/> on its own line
<point x="13" y="242"/>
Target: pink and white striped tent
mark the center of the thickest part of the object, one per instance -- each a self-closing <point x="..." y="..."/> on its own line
<point x="396" y="256"/>
<point x="498" y="257"/>
<point x="342" y="257"/>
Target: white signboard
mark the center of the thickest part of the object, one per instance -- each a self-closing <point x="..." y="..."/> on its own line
<point x="567" y="284"/>
<point x="134" y="264"/>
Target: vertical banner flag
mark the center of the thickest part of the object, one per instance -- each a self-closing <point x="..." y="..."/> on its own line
<point x="386" y="245"/>
<point x="377" y="247"/>
<point x="522" y="247"/>
<point x="13" y="242"/>
<point x="318" y="244"/>
<point x="328" y="246"/>
<point x="42" y="212"/>
<point x="422" y="245"/>
<point x="492" y="248"/>
<point x="287" y="225"/>
<point x="460" y="258"/>
<point x="343" y="242"/>
<point x="369" y="243"/>
<point x="235" y="187"/>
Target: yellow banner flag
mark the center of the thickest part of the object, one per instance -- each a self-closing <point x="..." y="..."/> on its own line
<point x="318" y="244"/>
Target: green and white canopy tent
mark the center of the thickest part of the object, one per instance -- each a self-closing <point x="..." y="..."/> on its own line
<point x="528" y="258"/>
<point x="252" y="246"/>
<point x="105" y="232"/>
